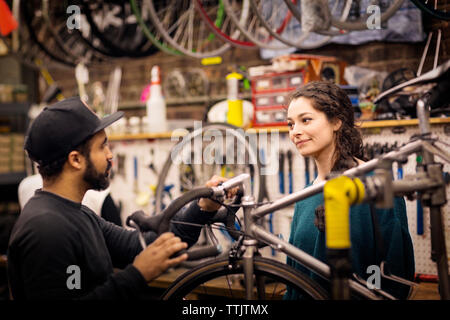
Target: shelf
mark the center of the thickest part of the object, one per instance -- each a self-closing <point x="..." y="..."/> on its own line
<point x="12" y="178"/>
<point x="282" y="129"/>
<point x="14" y="108"/>
<point x="179" y="101"/>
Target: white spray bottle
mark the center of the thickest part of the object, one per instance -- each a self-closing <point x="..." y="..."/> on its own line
<point x="156" y="104"/>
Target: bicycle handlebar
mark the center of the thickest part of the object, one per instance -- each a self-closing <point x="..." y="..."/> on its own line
<point x="160" y="223"/>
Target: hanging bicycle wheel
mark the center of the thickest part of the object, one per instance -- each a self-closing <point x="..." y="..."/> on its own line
<point x="141" y="14"/>
<point x="214" y="149"/>
<point x="38" y="32"/>
<point x="180" y="24"/>
<point x="224" y="28"/>
<point x="277" y="18"/>
<point x="433" y="8"/>
<point x="54" y="15"/>
<point x="358" y="16"/>
<point x="116" y="26"/>
<point x="217" y="278"/>
<point x="251" y="28"/>
<point x="337" y="8"/>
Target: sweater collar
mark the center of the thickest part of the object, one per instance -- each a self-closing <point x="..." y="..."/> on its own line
<point x="76" y="205"/>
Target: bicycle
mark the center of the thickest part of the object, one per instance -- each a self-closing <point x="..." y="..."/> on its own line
<point x="350" y="187"/>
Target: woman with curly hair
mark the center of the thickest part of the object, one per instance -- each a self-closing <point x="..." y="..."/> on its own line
<point x="321" y="124"/>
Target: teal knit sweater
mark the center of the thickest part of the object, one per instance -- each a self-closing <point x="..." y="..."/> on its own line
<point x="393" y="225"/>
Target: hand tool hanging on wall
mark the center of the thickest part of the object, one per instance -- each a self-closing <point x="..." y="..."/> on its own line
<point x="307" y="180"/>
<point x="419" y="221"/>
<point x="291" y="182"/>
<point x="264" y="194"/>
<point x="281" y="172"/>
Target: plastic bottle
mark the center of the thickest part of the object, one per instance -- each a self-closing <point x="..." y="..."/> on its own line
<point x="156" y="104"/>
<point x="235" y="106"/>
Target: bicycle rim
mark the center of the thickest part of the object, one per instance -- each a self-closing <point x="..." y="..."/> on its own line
<point x="429" y="9"/>
<point x="215" y="278"/>
<point x="251" y="28"/>
<point x="178" y="148"/>
<point x="186" y="34"/>
<point x="233" y="39"/>
<point x="278" y="32"/>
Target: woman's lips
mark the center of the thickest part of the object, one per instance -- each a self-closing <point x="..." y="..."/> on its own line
<point x="301" y="142"/>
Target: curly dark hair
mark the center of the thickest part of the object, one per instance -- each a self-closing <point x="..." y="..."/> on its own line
<point x="53" y="169"/>
<point x="332" y="100"/>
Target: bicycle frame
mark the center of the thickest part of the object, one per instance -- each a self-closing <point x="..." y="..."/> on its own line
<point x="433" y="182"/>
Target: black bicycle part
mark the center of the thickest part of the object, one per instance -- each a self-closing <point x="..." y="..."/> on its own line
<point x="122" y="41"/>
<point x="430" y="10"/>
<point x="267" y="270"/>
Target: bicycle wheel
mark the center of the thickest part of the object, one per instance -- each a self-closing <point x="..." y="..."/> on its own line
<point x="216" y="278"/>
<point x="116" y="26"/>
<point x="251" y="27"/>
<point x="336" y="7"/>
<point x="358" y="20"/>
<point x="226" y="30"/>
<point x="149" y="30"/>
<point x="67" y="40"/>
<point x="429" y="8"/>
<point x="39" y="33"/>
<point x="179" y="23"/>
<point x="276" y="17"/>
<point x="187" y="165"/>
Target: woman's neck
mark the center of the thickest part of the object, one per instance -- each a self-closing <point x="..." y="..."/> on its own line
<point x="324" y="163"/>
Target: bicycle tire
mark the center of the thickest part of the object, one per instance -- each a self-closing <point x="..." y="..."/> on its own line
<point x="168" y="164"/>
<point x="278" y="35"/>
<point x="215" y="49"/>
<point x="192" y="280"/>
<point x="297" y="15"/>
<point x="68" y="42"/>
<point x="164" y="47"/>
<point x="245" y="29"/>
<point x="143" y="48"/>
<point x="233" y="38"/>
<point x="25" y="10"/>
<point x="435" y="13"/>
<point x="361" y="24"/>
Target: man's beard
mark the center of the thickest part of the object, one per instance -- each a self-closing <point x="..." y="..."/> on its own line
<point x="96" y="180"/>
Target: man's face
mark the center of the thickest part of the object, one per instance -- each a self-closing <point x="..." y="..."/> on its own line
<point x="98" y="163"/>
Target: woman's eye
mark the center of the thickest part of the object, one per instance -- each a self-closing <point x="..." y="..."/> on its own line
<point x="290" y="125"/>
<point x="306" y="120"/>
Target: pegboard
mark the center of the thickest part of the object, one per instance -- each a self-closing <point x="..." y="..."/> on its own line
<point x="422" y="243"/>
<point x="125" y="188"/>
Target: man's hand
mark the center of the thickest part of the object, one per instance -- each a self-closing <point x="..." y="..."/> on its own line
<point x="207" y="204"/>
<point x="154" y="260"/>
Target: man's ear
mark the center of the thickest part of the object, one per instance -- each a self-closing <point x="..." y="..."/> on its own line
<point x="75" y="159"/>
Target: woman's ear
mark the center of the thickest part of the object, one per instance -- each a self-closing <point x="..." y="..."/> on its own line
<point x="75" y="159"/>
<point x="337" y="123"/>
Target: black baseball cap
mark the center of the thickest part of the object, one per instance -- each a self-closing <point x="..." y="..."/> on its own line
<point x="61" y="127"/>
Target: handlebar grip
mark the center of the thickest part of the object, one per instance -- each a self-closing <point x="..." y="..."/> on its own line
<point x="200" y="253"/>
<point x="143" y="221"/>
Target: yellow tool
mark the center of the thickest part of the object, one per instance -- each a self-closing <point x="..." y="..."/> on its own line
<point x="339" y="194"/>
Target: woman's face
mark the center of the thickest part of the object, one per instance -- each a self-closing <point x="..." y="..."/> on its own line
<point x="309" y="129"/>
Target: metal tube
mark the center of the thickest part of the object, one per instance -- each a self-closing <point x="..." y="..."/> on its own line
<point x="313" y="264"/>
<point x="439" y="251"/>
<point x="317" y="188"/>
<point x="317" y="266"/>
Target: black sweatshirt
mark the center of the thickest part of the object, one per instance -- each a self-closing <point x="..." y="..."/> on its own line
<point x="54" y="237"/>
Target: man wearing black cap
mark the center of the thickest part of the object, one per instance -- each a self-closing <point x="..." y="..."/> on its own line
<point x="60" y="249"/>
